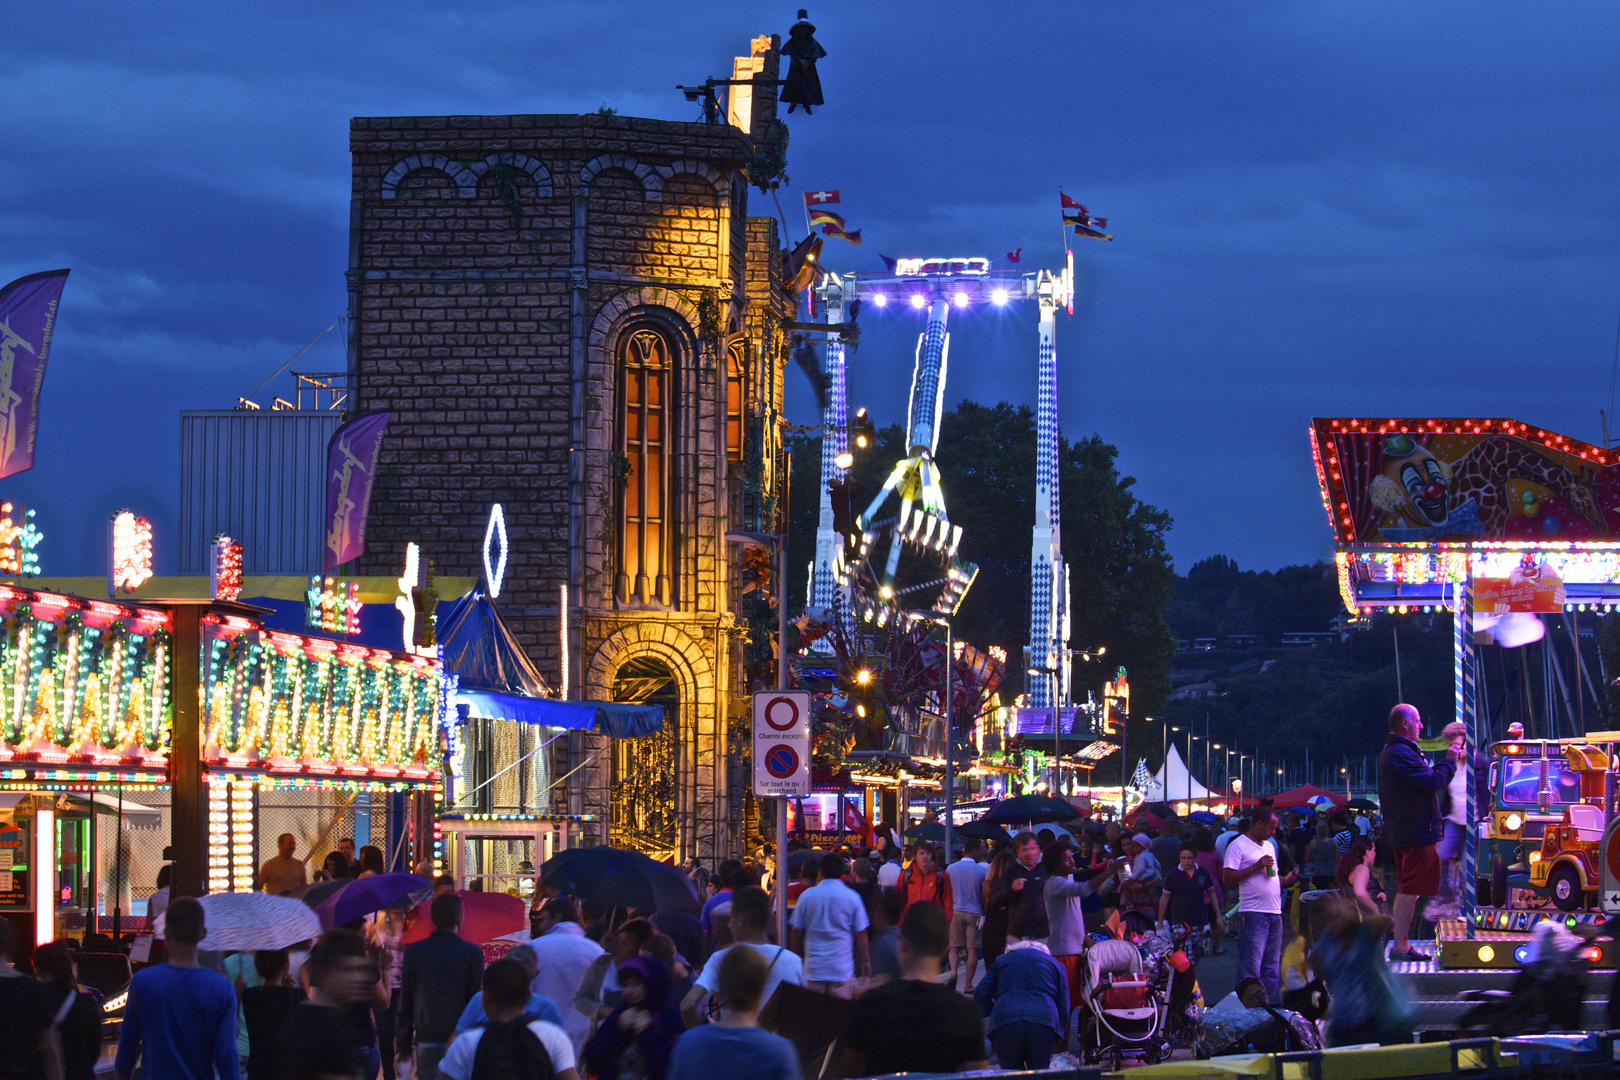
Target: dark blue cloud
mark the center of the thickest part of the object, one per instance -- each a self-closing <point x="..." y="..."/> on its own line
<point x="1321" y="208"/>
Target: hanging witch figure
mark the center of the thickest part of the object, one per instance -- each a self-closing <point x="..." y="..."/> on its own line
<point x="801" y="85"/>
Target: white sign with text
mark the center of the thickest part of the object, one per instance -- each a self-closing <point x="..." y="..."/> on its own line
<point x="781" y="743"/>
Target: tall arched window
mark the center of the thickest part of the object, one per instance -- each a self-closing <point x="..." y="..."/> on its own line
<point x="646" y="528"/>
<point x="736" y="400"/>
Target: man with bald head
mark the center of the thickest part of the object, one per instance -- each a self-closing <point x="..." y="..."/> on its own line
<point x="1409" y="788"/>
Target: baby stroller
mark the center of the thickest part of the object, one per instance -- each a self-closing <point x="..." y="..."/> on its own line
<point x="1125" y="1012"/>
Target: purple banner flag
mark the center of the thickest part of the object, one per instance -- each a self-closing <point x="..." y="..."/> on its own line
<point x="351" y="466"/>
<point x="27" y="317"/>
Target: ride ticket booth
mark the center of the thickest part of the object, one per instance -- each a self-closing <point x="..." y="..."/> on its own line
<point x="1514" y="531"/>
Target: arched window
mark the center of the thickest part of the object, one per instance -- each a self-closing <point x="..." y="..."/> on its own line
<point x="646" y="436"/>
<point x="736" y="399"/>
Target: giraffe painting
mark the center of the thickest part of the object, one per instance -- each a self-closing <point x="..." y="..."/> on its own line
<point x="1423" y="497"/>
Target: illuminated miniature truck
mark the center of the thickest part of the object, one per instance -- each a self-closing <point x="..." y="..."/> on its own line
<point x="1551" y="803"/>
<point x="1568" y="865"/>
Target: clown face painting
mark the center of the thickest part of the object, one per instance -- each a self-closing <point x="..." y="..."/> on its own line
<point x="1437" y="485"/>
<point x="1413" y="483"/>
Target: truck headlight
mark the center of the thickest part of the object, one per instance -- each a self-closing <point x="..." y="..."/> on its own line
<point x="1513" y="822"/>
<point x="114" y="1004"/>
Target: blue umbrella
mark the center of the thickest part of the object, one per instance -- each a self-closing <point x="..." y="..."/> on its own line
<point x="1203" y="817"/>
<point x="363" y="896"/>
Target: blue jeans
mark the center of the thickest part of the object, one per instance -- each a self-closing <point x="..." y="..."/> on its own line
<point x="428" y="1056"/>
<point x="1023" y="1044"/>
<point x="1260" y="948"/>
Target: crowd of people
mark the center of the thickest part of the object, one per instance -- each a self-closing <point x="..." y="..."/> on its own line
<point x="942" y="964"/>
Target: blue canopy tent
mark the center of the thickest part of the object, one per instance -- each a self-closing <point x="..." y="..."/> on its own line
<point x="497" y="680"/>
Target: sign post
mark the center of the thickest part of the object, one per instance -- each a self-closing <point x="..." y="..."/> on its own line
<point x="781" y="770"/>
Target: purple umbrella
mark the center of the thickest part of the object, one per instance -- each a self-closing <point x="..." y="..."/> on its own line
<point x="363" y="896"/>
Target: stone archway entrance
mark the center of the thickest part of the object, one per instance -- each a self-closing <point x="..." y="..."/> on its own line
<point x="642" y="785"/>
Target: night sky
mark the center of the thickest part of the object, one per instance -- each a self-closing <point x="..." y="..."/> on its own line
<point x="1320" y="209"/>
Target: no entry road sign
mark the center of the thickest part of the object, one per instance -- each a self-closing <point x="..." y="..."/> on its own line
<point x="781" y="743"/>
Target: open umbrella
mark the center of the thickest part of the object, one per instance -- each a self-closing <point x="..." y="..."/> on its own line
<point x="983" y="830"/>
<point x="612" y="877"/>
<point x="1030" y="808"/>
<point x="1140" y="817"/>
<point x="1203" y="817"/>
<point x="930" y="832"/>
<point x="485" y="916"/>
<point x="315" y="894"/>
<point x="245" y="922"/>
<point x="360" y="898"/>
<point x="1359" y="803"/>
<point x="1157" y="809"/>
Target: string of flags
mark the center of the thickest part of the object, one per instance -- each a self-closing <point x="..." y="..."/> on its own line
<point x="1078" y="216"/>
<point x="830" y="222"/>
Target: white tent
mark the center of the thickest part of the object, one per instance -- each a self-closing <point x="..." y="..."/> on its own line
<point x="1171" y="782"/>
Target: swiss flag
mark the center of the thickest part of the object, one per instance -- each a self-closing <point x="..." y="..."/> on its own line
<point x="1013" y="256"/>
<point x="817" y="198"/>
<point x="1070" y="204"/>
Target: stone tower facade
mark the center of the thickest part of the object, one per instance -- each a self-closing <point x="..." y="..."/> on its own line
<point x="573" y="316"/>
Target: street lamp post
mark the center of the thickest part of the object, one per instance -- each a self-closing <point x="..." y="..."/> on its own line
<point x="779" y="540"/>
<point x="1209" y="796"/>
<point x="1057" y="722"/>
<point x="1164" y="757"/>
<point x="948" y="700"/>
<point x="1190" y="737"/>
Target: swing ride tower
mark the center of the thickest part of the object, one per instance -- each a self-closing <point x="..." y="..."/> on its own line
<point x="865" y="575"/>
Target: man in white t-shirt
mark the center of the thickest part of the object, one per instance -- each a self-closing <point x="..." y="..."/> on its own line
<point x="564" y="954"/>
<point x="750" y="913"/>
<point x="1251" y="865"/>
<point x="506" y="991"/>
<point x="827" y="924"/>
<point x="967" y="896"/>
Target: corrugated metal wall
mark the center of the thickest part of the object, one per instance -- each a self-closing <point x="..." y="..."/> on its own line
<point x="258" y="477"/>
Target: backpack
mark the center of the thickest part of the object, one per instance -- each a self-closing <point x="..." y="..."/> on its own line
<point x="939" y="883"/>
<point x="510" y="1051"/>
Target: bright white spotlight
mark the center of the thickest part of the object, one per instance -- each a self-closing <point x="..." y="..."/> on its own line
<point x="961" y="299"/>
<point x="844" y="460"/>
<point x="916" y="300"/>
<point x="998" y="297"/>
<point x="880" y="300"/>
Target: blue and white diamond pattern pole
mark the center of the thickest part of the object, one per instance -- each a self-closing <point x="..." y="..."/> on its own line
<point x="1049" y="579"/>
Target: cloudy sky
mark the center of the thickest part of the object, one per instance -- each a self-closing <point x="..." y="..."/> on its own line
<point x="1320" y="209"/>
